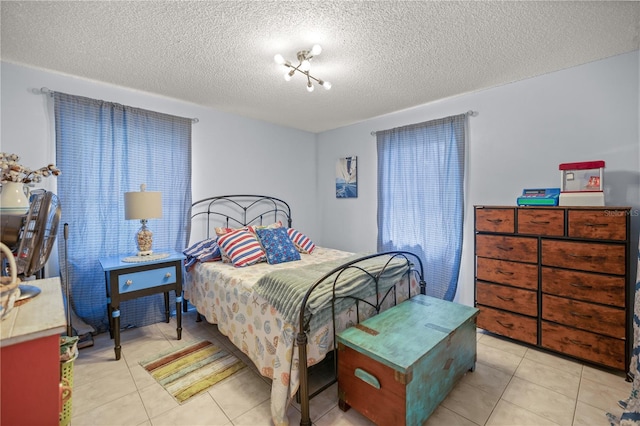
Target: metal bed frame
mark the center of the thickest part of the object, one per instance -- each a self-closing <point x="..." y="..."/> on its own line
<point x="244" y="210"/>
<point x="238" y="210"/>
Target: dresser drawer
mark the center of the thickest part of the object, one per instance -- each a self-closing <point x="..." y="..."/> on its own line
<point x="495" y="220"/>
<point x="583" y="344"/>
<point x="583" y="315"/>
<point x="604" y="289"/>
<point x="523" y="249"/>
<point x="524" y="275"/>
<point x="518" y="327"/>
<point x="508" y="298"/>
<point x="598" y="224"/>
<point x="146" y="279"/>
<point x="541" y="222"/>
<point x="596" y="257"/>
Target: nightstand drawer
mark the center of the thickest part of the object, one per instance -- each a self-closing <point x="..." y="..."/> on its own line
<point x="146" y="279"/>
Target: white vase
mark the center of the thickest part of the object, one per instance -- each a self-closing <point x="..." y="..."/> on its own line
<point x="14" y="198"/>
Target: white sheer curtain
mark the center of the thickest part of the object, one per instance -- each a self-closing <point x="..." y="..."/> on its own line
<point x="420" y="197"/>
<point x="105" y="149"/>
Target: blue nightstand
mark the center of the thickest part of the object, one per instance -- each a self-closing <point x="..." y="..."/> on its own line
<point x="130" y="280"/>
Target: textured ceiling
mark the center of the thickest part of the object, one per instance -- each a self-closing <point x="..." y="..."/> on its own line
<point x="380" y="56"/>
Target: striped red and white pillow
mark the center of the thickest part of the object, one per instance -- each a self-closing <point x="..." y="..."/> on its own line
<point x="242" y="247"/>
<point x="301" y="241"/>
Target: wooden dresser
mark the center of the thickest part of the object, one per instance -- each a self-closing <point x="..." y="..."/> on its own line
<point x="557" y="278"/>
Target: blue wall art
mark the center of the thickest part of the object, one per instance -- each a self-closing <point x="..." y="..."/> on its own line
<point x="347" y="177"/>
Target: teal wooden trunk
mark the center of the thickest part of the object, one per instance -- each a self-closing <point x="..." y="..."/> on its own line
<point x="396" y="367"/>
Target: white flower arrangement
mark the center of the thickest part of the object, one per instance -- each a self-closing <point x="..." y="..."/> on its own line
<point x="12" y="171"/>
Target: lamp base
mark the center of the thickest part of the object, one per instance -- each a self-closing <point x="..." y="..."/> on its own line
<point x="144" y="239"/>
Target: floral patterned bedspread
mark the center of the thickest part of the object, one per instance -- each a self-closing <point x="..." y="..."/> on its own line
<point x="223" y="295"/>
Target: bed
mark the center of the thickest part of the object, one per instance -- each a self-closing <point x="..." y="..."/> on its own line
<point x="284" y="315"/>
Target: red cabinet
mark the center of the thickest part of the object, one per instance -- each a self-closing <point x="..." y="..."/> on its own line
<point x="30" y="358"/>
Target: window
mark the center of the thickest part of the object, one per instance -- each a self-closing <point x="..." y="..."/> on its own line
<point x="421" y="197"/>
<point x="104" y="150"/>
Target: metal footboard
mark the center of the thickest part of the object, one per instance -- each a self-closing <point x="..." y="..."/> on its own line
<point x="414" y="267"/>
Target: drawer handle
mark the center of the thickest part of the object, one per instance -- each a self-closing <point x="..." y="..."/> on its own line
<point x="503" y="248"/>
<point x="580" y="256"/>
<point x="128" y="282"/>
<point x="504" y="325"/>
<point x="368" y="378"/>
<point x="167" y="275"/>
<point x="495" y="221"/>
<point x="579" y="343"/>
<point x="579" y="285"/>
<point x="541" y="222"/>
<point x="500" y="271"/>
<point x="579" y="315"/>
<point x="506" y="299"/>
<point x="596" y="225"/>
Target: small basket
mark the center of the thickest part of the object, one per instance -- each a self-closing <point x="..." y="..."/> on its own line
<point x="66" y="391"/>
<point x="9" y="286"/>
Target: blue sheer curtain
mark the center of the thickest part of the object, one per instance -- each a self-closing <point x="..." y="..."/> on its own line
<point x="421" y="197"/>
<point x="104" y="150"/>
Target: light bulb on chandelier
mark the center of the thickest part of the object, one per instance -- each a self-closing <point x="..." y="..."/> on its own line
<point x="304" y="66"/>
<point x="316" y="50"/>
<point x="288" y="75"/>
<point x="325" y="84"/>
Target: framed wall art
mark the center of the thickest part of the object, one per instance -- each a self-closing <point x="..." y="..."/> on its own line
<point x="347" y="177"/>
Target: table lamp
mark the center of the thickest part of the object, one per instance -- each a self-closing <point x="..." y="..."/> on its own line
<point x="143" y="205"/>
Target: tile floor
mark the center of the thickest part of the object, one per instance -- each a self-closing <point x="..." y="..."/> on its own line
<point x="512" y="385"/>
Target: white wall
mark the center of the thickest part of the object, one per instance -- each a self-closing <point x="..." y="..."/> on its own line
<point x="521" y="133"/>
<point x="231" y="154"/>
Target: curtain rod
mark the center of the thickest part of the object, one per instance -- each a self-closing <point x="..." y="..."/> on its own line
<point x="49" y="92"/>
<point x="469" y="113"/>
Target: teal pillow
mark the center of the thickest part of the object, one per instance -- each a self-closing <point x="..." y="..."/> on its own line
<point x="277" y="245"/>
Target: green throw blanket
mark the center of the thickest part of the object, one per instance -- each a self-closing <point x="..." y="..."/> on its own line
<point x="285" y="289"/>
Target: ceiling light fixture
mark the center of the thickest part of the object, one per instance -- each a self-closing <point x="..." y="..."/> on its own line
<point x="303" y="67"/>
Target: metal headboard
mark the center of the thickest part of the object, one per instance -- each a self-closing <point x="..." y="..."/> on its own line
<point x="233" y="211"/>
